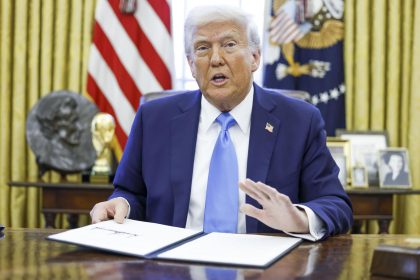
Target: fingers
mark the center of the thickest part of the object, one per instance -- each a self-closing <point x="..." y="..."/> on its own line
<point x="99" y="213"/>
<point x="277" y="210"/>
<point x="121" y="209"/>
<point x="252" y="211"/>
<point x="115" y="208"/>
<point x="261" y="192"/>
<point x="266" y="190"/>
<point x="250" y="188"/>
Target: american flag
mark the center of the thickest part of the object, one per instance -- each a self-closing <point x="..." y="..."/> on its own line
<point x="283" y="29"/>
<point x="285" y="26"/>
<point x="131" y="55"/>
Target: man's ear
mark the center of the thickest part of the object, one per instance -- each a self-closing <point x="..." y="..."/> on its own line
<point x="192" y="67"/>
<point x="256" y="58"/>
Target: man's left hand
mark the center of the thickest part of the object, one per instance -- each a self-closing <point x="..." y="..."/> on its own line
<point x="277" y="210"/>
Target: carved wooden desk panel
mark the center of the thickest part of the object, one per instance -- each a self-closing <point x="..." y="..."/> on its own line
<point x="25" y="254"/>
<point x="68" y="198"/>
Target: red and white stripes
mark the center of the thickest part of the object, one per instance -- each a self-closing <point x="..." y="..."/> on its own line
<point x="283" y="27"/>
<point x="131" y="55"/>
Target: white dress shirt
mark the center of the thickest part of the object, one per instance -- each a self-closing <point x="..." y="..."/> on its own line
<point x="208" y="131"/>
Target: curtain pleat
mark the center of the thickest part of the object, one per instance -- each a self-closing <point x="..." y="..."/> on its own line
<point x="18" y="199"/>
<point x="349" y="47"/>
<point x="6" y="41"/>
<point x="378" y="65"/>
<point x="361" y="86"/>
<point x="393" y="70"/>
<point x="411" y="216"/>
<point x="33" y="194"/>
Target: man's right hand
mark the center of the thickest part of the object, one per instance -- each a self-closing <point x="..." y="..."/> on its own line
<point x="116" y="208"/>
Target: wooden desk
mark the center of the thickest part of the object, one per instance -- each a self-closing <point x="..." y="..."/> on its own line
<point x="69" y="198"/>
<point x="25" y="254"/>
<point x="374" y="203"/>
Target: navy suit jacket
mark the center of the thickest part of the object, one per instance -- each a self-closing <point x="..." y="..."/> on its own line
<point x="155" y="172"/>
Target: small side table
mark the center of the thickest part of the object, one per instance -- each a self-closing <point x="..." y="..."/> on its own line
<point x="68" y="198"/>
<point x="375" y="203"/>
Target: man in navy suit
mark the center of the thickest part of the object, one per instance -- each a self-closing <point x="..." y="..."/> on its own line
<point x="288" y="180"/>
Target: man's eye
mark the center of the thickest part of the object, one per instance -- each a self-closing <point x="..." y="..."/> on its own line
<point x="230" y="44"/>
<point x="201" y="48"/>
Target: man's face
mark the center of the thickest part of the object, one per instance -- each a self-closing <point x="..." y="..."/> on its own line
<point x="395" y="162"/>
<point x="222" y="63"/>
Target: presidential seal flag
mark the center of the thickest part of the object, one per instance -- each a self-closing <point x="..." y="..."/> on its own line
<point x="304" y="51"/>
<point x="131" y="55"/>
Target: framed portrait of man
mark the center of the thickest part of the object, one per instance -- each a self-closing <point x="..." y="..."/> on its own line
<point x="394" y="170"/>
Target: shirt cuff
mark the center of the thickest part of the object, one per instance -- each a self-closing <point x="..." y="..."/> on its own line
<point x="317" y="229"/>
<point x="128" y="204"/>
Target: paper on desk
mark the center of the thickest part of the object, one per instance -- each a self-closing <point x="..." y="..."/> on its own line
<point x="131" y="238"/>
<point x="235" y="249"/>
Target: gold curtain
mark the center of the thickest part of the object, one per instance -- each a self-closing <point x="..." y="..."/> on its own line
<point x="44" y="46"/>
<point x="382" y="58"/>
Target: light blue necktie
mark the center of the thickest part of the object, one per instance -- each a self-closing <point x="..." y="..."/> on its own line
<point x="221" y="212"/>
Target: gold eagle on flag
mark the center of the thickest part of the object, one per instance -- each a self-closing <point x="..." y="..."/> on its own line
<point x="312" y="24"/>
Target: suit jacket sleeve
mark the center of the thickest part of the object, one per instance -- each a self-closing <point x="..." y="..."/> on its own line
<point x="320" y="186"/>
<point x="128" y="179"/>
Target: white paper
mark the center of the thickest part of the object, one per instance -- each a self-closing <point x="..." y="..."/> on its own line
<point x="227" y="248"/>
<point x="132" y="237"/>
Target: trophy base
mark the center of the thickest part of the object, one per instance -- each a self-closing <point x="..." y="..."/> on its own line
<point x="97" y="178"/>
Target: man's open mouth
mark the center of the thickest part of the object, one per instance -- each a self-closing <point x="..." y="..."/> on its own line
<point x="219" y="78"/>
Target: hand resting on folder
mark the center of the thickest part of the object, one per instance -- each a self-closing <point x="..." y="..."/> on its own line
<point x="116" y="209"/>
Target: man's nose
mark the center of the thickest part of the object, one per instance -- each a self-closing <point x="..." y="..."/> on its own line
<point x="216" y="58"/>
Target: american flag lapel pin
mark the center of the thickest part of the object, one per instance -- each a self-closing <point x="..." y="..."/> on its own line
<point x="269" y="127"/>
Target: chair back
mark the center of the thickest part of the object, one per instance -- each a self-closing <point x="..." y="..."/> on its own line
<point x="299" y="94"/>
<point x="159" y="94"/>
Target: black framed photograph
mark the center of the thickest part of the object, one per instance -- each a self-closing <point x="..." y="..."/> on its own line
<point x="394" y="169"/>
<point x="359" y="177"/>
<point x="340" y="151"/>
<point x="365" y="146"/>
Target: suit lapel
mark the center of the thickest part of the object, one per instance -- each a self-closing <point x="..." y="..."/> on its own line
<point x="264" y="130"/>
<point x="183" y="139"/>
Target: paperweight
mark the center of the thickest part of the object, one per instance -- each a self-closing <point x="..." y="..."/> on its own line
<point x="402" y="261"/>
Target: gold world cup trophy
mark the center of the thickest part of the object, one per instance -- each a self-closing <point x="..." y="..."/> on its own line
<point x="103" y="129"/>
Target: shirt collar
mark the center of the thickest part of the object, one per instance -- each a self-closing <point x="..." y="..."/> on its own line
<point x="241" y="113"/>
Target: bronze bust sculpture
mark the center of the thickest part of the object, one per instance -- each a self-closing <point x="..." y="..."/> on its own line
<point x="58" y="132"/>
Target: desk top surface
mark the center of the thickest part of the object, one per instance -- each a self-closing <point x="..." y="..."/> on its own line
<point x="24" y="253"/>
